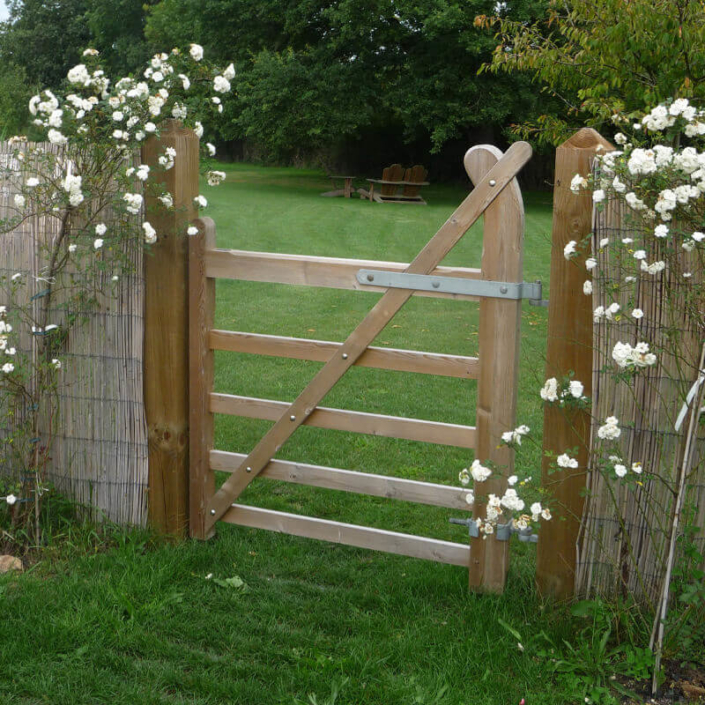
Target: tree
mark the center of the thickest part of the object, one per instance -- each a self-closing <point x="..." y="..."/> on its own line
<point x="42" y="40"/>
<point x="15" y="92"/>
<point x="45" y="38"/>
<point x="311" y="72"/>
<point x="294" y="105"/>
<point x="117" y="31"/>
<point x="604" y="57"/>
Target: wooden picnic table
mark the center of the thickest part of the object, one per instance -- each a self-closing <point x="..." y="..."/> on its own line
<point x="346" y="189"/>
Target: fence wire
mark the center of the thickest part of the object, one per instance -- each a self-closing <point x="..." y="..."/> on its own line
<point x="623" y="541"/>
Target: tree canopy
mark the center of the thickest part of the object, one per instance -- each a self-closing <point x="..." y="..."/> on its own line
<point x="602" y="57"/>
<point x="312" y="72"/>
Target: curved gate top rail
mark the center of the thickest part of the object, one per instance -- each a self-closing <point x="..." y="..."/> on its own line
<point x="496" y="196"/>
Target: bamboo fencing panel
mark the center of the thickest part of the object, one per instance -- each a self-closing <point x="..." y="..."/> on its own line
<point x="628" y="558"/>
<point x="99" y="453"/>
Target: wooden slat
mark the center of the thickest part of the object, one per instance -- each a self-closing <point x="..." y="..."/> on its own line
<point x="370" y="327"/>
<point x="333" y="272"/>
<point x="349" y="481"/>
<point x="355" y="421"/>
<point x="321" y="351"/>
<point x="349" y="534"/>
<point x="201" y="291"/>
<point x="400" y="183"/>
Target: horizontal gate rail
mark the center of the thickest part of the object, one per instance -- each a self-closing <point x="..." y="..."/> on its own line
<point x="334" y="272"/>
<point x="438" y="364"/>
<point x="350" y="481"/>
<point x="343" y="420"/>
<point x="349" y="534"/>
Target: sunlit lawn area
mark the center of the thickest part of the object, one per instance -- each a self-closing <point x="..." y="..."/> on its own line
<point x="139" y="623"/>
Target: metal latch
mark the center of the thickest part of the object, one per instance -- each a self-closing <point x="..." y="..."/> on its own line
<point x="452" y="285"/>
<point x="502" y="531"/>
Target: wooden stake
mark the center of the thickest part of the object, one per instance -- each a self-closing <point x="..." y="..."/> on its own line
<point x="500" y="322"/>
<point x="166" y="332"/>
<point x="569" y="349"/>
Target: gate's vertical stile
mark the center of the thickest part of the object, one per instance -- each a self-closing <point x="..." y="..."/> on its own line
<point x="201" y="304"/>
<point x="500" y="322"/>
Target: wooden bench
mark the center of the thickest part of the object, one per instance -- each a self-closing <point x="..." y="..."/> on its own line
<point x="397" y="185"/>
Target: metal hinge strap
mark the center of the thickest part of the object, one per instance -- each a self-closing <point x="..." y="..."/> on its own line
<point x="451" y="285"/>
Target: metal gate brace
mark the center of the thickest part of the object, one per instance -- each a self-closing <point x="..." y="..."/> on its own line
<point x="451" y="285"/>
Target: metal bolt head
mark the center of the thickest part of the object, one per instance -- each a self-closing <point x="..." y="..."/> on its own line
<point x="493" y="182"/>
<point x="503" y="289"/>
<point x="370" y="277"/>
<point x="435" y="285"/>
<point x="292" y="417"/>
<point x="212" y="512"/>
<point x="345" y="356"/>
<point x="248" y="469"/>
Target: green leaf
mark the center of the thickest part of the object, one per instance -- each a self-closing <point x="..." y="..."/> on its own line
<point x="234" y="583"/>
<point x="511" y="630"/>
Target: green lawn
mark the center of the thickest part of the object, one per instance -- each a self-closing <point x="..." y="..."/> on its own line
<point x="139" y="622"/>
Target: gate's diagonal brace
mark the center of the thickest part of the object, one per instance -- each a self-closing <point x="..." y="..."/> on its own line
<point x="369" y="328"/>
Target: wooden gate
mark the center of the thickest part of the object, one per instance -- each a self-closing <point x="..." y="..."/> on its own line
<point x="497" y="196"/>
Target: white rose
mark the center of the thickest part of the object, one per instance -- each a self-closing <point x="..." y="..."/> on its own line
<point x="221" y="84"/>
<point x="150" y="234"/>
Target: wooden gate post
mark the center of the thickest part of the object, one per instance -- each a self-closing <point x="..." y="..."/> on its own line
<point x="166" y="331"/>
<point x="500" y="322"/>
<point x="569" y="349"/>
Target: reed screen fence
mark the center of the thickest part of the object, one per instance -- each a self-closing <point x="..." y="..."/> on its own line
<point x="99" y="451"/>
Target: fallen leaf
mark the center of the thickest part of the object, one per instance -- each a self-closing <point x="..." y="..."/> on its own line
<point x="234" y="583"/>
<point x="693" y="692"/>
<point x="8" y="563"/>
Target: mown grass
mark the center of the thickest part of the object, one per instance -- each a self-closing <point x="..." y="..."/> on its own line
<point x="139" y="622"/>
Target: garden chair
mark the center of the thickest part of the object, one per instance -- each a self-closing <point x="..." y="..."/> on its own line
<point x="397" y="185"/>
